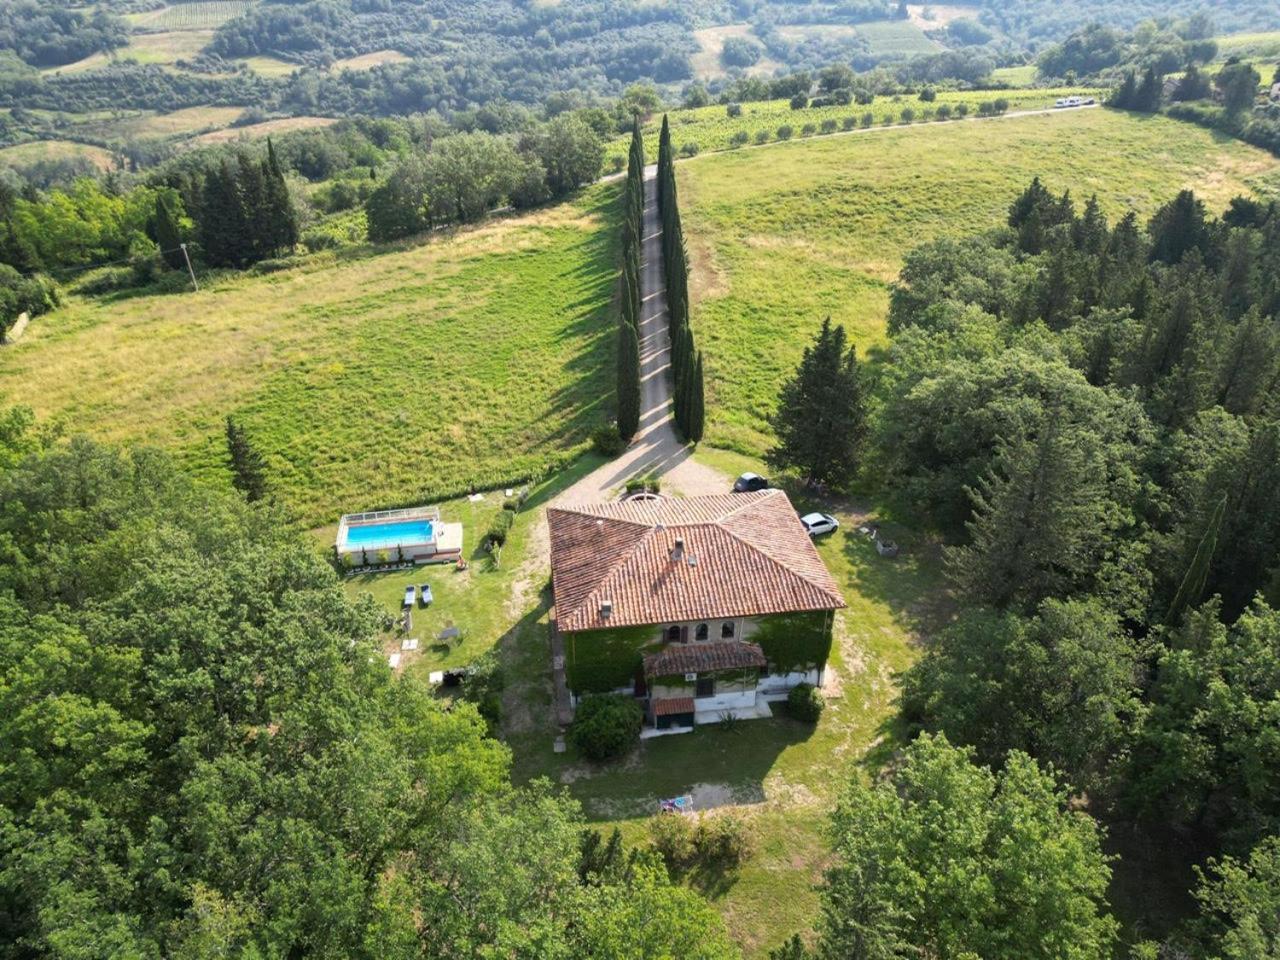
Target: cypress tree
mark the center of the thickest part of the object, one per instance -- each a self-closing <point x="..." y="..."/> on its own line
<point x="221" y="223"/>
<point x="697" y="403"/>
<point x="248" y="469"/>
<point x="164" y="227"/>
<point x="282" y="231"/>
<point x="628" y="381"/>
<point x="1125" y="97"/>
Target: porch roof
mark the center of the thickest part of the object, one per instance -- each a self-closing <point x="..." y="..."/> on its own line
<point x="679" y="658"/>
<point x="672" y="706"/>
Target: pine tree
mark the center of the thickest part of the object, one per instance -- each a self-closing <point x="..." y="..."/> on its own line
<point x="164" y="228"/>
<point x="1194" y="581"/>
<point x="821" y="421"/>
<point x="629" y="401"/>
<point x="1148" y="95"/>
<point x="248" y="469"/>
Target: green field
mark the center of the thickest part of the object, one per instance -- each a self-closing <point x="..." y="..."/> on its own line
<point x="1249" y="45"/>
<point x="194" y="15"/>
<point x="711" y="128"/>
<point x="896" y="38"/>
<point x="39" y="150"/>
<point x="370" y="380"/>
<point x="785" y="235"/>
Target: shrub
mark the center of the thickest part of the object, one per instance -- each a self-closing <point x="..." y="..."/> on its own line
<point x="272" y="265"/>
<point x="908" y="114"/>
<point x="829" y="126"/>
<point x="722" y="840"/>
<point x="926" y="113"/>
<point x="606" y="441"/>
<point x="685" y="844"/>
<point x="799" y="102"/>
<point x="734" y="109"/>
<point x="317" y="240"/>
<point x="848" y="123"/>
<point x="689" y="149"/>
<point x="739" y="138"/>
<point x="864" y="98"/>
<point x="672" y="835"/>
<point x="868" y="118"/>
<point x="943" y="112"/>
<point x="606" y="726"/>
<point x="649" y="483"/>
<point x="889" y="119"/>
<point x="805" y="703"/>
<point x="762" y="136"/>
<point x="1000" y="105"/>
<point x="617" y="162"/>
<point x="785" y="131"/>
<point x="483" y="685"/>
<point x="808" y="130"/>
<point x="496" y="535"/>
<point x="962" y="109"/>
<point x="928" y="95"/>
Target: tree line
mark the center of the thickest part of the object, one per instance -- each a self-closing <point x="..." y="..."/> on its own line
<point x="686" y="360"/>
<point x="1086" y="411"/>
<point x="629" y="393"/>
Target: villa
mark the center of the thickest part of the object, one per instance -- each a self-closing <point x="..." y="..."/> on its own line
<point x="700" y="608"/>
<point x="413" y="535"/>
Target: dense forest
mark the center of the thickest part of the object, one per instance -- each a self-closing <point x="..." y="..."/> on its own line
<point x="1088" y="411"/>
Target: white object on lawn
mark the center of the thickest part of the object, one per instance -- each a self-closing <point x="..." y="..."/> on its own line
<point x="393" y="661"/>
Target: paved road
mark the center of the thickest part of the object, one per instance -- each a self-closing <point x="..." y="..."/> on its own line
<point x="656" y="448"/>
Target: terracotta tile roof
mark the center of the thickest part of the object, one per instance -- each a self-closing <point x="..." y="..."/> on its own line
<point x="672" y="705"/>
<point x="745" y="554"/>
<point x="681" y="658"/>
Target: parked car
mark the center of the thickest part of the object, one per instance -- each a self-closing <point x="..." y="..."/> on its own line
<point x="426" y="595"/>
<point x="816" y="524"/>
<point x="749" y="482"/>
<point x="409" y="595"/>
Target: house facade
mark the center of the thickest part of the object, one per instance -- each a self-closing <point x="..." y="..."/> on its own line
<point x="700" y="608"/>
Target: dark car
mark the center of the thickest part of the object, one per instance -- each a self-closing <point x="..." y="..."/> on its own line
<point x="750" y="482"/>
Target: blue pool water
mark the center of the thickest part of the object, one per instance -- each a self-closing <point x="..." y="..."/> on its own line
<point x="390" y="534"/>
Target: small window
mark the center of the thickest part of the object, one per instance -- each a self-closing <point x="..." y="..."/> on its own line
<point x="702" y="632"/>
<point x="706" y="687"/>
<point x="673" y="634"/>
<point x="726" y="630"/>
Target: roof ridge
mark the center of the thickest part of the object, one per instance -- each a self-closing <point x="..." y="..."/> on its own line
<point x="593" y="516"/>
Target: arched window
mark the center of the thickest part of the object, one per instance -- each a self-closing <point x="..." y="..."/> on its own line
<point x="702" y="632"/>
<point x="673" y="634"/>
<point x="726" y="630"/>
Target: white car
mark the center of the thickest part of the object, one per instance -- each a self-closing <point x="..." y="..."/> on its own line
<point x="816" y="524"/>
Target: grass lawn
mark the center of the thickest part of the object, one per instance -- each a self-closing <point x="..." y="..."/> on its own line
<point x="266" y="128"/>
<point x="368" y="378"/>
<point x="782" y="775"/>
<point x="783" y="236"/>
<point x="1022" y="76"/>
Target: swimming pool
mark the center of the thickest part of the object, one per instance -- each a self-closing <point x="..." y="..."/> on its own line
<point x="379" y="536"/>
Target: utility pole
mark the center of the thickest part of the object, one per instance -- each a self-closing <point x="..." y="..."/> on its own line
<point x="187" y="257"/>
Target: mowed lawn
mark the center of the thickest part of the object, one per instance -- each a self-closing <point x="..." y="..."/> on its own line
<point x="784" y="235"/>
<point x="369" y="380"/>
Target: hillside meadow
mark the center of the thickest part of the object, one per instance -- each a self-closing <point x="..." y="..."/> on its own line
<point x="372" y="379"/>
<point x="711" y="129"/>
<point x="785" y="235"/>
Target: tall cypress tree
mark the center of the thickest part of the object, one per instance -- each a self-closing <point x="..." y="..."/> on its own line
<point x="282" y="230"/>
<point x="697" y="403"/>
<point x="628" y="381"/>
<point x="248" y="469"/>
<point x="221" y="225"/>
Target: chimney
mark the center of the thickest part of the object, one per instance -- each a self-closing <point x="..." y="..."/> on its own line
<point x="678" y="551"/>
<point x="606" y="608"/>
